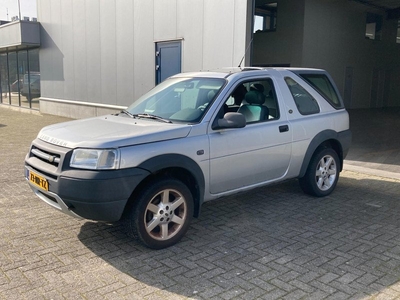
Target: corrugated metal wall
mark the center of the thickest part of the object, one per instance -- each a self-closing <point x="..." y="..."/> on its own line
<point x="102" y="51"/>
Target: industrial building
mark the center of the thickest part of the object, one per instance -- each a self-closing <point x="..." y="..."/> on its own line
<point x="91" y="57"/>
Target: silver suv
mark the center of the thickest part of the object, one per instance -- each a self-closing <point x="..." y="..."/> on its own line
<point x="193" y="138"/>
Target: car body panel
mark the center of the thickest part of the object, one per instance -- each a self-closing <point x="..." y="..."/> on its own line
<point x="111" y="132"/>
<point x="241" y="158"/>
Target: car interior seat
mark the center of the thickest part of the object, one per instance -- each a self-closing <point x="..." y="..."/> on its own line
<point x="254" y="111"/>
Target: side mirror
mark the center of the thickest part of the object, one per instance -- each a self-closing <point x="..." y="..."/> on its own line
<point x="231" y="120"/>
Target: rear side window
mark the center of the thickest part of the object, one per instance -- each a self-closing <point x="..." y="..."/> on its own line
<point x="306" y="104"/>
<point x="323" y="85"/>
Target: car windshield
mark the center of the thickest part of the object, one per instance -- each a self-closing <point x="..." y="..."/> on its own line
<point x="177" y="99"/>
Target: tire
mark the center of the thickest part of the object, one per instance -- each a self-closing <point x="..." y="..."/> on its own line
<point x="322" y="173"/>
<point x="161" y="214"/>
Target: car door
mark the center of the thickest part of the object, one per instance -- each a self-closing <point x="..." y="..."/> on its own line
<point x="259" y="152"/>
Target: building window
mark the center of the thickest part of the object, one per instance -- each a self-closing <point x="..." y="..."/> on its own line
<point x="373" y="28"/>
<point x="265" y="16"/>
<point x="20" y="78"/>
<point x="398" y="32"/>
<point x="4" y="82"/>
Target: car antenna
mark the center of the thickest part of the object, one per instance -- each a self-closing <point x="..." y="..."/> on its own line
<point x="248" y="46"/>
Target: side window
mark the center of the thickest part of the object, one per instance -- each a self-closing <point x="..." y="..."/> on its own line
<point x="256" y="100"/>
<point x="323" y="85"/>
<point x="305" y="103"/>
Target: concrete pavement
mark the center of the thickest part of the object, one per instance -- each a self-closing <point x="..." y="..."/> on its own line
<point x="376" y="142"/>
<point x="270" y="243"/>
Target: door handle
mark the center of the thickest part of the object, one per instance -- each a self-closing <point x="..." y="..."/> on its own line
<point x="284" y="128"/>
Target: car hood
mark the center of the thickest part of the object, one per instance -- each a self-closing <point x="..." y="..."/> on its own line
<point x="111" y="131"/>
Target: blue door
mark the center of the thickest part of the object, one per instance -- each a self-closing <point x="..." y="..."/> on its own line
<point x="168" y="59"/>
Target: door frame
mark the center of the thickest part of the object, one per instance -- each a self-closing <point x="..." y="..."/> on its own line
<point x="159" y="45"/>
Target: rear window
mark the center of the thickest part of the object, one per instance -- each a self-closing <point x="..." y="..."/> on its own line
<point x="323" y="86"/>
<point x="306" y="104"/>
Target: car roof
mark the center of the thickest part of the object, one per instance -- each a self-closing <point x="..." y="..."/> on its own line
<point x="226" y="72"/>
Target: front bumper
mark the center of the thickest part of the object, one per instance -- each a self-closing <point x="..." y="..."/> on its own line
<point x="94" y="195"/>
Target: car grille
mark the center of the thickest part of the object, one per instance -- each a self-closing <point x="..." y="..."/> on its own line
<point x="45" y="156"/>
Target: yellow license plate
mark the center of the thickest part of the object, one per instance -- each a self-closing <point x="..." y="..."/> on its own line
<point x="39" y="181"/>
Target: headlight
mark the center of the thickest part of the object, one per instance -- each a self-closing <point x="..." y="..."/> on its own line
<point x="95" y="159"/>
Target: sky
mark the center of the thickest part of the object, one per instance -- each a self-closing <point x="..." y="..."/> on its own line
<point x="28" y="9"/>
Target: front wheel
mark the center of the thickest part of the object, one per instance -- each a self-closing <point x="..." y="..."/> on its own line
<point x="161" y="214"/>
<point x="322" y="173"/>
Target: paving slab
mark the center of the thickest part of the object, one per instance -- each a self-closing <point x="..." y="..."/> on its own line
<point x="270" y="243"/>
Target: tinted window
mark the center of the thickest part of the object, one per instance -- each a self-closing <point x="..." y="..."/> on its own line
<point x="324" y="86"/>
<point x="306" y="104"/>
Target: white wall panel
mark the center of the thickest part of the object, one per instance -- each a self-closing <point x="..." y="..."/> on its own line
<point x="190" y="24"/>
<point x="19" y="34"/>
<point x="93" y="53"/>
<point x="143" y="46"/>
<point x="57" y="78"/>
<point x="108" y="52"/>
<point x="79" y="51"/>
<point x="43" y="10"/>
<point x="124" y="52"/>
<point x="239" y="31"/>
<point x="165" y="19"/>
<point x="218" y="33"/>
<point x="67" y="46"/>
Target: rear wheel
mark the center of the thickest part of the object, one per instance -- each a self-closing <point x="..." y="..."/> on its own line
<point x="322" y="173"/>
<point x="161" y="214"/>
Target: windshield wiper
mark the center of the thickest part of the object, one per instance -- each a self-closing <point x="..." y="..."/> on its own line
<point x="145" y="115"/>
<point x="127" y="113"/>
<point x="153" y="117"/>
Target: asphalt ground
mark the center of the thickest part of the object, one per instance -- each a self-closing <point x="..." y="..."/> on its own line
<point x="271" y="243"/>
